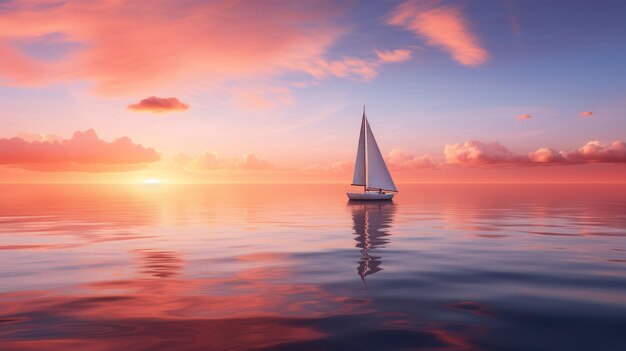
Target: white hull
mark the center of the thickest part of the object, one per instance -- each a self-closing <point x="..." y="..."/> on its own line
<point x="370" y="196"/>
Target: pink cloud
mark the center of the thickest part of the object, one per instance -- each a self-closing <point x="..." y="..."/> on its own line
<point x="349" y="66"/>
<point x="84" y="151"/>
<point x="338" y="168"/>
<point x="159" y="105"/>
<point x="176" y="162"/>
<point x="206" y="161"/>
<point x="586" y="114"/>
<point x="123" y="47"/>
<point x="596" y="151"/>
<point x="476" y="152"/>
<point x="363" y="68"/>
<point x="479" y="153"/>
<point x="442" y="26"/>
<point x="398" y="55"/>
<point x="401" y="160"/>
<point x="30" y="137"/>
<point x="210" y="161"/>
<point x="546" y="155"/>
<point x="17" y="67"/>
<point x="397" y="160"/>
<point x="523" y="117"/>
<point x="116" y="46"/>
<point x="251" y="162"/>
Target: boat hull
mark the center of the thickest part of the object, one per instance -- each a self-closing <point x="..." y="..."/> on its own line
<point x="370" y="196"/>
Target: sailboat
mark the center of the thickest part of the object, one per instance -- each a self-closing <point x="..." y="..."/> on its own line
<point x="370" y="169"/>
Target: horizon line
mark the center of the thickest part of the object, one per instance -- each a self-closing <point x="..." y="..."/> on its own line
<point x="310" y="183"/>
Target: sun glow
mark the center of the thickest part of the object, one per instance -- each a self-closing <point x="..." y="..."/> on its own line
<point x="152" y="181"/>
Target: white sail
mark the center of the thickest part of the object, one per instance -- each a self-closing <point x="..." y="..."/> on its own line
<point x="359" y="166"/>
<point x="378" y="176"/>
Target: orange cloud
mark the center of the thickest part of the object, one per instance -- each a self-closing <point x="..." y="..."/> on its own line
<point x="85" y="151"/>
<point x="159" y="105"/>
<point x="39" y="137"/>
<point x="586" y="114"/>
<point x="123" y="47"/>
<point x="80" y="167"/>
<point x="523" y="117"/>
<point x="442" y="26"/>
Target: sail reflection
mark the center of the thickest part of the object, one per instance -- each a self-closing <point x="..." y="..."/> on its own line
<point x="371" y="224"/>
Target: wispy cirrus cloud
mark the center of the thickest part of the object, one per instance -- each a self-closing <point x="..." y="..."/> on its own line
<point x="363" y="68"/>
<point x="159" y="105"/>
<point x="116" y="45"/>
<point x="442" y="26"/>
<point x="84" y="151"/>
<point x="523" y="117"/>
<point x="122" y="46"/>
<point x="345" y="67"/>
<point x="398" y="55"/>
<point x="586" y="114"/>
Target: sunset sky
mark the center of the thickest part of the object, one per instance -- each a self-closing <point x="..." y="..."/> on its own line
<point x="272" y="91"/>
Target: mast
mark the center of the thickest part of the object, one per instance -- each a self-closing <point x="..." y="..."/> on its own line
<point x="359" y="165"/>
<point x="365" y="154"/>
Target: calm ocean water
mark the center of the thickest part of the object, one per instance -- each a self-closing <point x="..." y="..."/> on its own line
<point x="443" y="267"/>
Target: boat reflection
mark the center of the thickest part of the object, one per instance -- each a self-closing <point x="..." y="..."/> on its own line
<point x="372" y="222"/>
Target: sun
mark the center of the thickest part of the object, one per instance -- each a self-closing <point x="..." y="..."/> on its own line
<point x="152" y="181"/>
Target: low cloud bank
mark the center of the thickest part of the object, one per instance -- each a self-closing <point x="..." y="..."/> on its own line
<point x="480" y="153"/>
<point x="83" y="148"/>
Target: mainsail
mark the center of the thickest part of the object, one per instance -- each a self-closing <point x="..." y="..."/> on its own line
<point x="378" y="176"/>
<point x="370" y="169"/>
